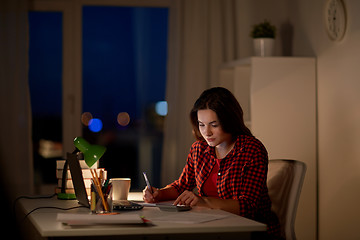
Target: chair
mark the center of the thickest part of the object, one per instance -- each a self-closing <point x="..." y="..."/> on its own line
<point x="285" y="179"/>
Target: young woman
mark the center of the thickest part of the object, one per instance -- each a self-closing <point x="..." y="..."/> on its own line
<point x="226" y="164"/>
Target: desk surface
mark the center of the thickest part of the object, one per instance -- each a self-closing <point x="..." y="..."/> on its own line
<point x="44" y="220"/>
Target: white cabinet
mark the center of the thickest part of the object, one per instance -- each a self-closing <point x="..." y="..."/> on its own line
<point x="278" y="96"/>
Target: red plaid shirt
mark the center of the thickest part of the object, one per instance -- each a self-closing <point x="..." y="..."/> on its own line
<point x="242" y="176"/>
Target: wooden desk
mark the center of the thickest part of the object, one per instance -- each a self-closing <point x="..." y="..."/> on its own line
<point x="44" y="224"/>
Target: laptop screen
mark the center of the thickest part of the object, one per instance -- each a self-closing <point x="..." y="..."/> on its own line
<point x="77" y="179"/>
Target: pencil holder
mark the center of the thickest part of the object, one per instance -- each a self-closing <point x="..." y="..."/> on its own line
<point x="101" y="202"/>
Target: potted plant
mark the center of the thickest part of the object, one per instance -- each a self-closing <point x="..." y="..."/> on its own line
<point x="264" y="37"/>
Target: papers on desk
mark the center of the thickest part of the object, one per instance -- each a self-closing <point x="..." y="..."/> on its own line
<point x="187" y="217"/>
<point x="95" y="219"/>
<point x="77" y="219"/>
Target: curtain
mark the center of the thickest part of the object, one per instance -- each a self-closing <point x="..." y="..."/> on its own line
<point x="16" y="166"/>
<point x="202" y="35"/>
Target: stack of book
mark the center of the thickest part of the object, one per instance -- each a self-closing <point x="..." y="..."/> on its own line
<point x="69" y="187"/>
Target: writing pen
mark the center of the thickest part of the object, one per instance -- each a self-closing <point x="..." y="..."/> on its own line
<point x="147" y="182"/>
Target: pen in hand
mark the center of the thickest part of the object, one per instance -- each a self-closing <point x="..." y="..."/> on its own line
<point x="147" y="182"/>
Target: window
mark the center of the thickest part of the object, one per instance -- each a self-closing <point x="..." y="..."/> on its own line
<point x="45" y="78"/>
<point x="124" y="76"/>
<point x="124" y="55"/>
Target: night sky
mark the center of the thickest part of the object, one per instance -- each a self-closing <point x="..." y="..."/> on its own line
<point x="124" y="61"/>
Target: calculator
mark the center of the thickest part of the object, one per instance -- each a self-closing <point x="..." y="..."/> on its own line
<point x="175" y="208"/>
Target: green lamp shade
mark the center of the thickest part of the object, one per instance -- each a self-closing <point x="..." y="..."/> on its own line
<point x="92" y="153"/>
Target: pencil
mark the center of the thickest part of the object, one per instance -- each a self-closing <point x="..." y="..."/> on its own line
<point x="101" y="176"/>
<point x="98" y="187"/>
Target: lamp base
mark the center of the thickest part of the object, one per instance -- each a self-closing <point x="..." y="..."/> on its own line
<point x="66" y="196"/>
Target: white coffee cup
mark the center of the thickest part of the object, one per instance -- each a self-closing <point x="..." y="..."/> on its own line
<point x="120" y="188"/>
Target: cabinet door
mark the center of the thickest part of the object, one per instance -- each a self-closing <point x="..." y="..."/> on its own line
<point x="283" y="117"/>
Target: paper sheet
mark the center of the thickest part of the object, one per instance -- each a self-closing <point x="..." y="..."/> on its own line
<point x="94" y="219"/>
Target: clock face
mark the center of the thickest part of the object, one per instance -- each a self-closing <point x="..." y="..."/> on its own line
<point x="335" y="19"/>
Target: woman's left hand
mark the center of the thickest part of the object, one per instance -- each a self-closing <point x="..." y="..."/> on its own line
<point x="189" y="198"/>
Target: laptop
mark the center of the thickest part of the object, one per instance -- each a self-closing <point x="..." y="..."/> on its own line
<point x="126" y="205"/>
<point x="80" y="190"/>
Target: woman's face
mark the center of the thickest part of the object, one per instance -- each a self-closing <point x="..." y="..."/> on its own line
<point x="211" y="130"/>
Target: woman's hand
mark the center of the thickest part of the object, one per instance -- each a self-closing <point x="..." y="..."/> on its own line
<point x="151" y="198"/>
<point x="189" y="198"/>
<point x="156" y="195"/>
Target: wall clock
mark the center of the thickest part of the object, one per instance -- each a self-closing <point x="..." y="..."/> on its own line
<point x="335" y="19"/>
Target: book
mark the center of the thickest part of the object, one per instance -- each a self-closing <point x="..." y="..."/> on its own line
<point x="85" y="169"/>
<point x="85" y="172"/>
<point x="71" y="190"/>
<point x="69" y="183"/>
<point x="60" y="164"/>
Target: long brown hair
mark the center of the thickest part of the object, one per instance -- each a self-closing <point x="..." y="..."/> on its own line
<point x="227" y="109"/>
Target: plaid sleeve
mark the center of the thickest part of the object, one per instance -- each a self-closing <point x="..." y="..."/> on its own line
<point x="252" y="184"/>
<point x="186" y="180"/>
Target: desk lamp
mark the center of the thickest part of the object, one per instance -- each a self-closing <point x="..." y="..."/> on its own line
<point x="92" y="153"/>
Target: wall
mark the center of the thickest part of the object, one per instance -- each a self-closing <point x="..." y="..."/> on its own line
<point x="251" y="12"/>
<point x="338" y="79"/>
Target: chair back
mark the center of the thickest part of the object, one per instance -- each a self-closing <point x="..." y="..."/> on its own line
<point x="285" y="179"/>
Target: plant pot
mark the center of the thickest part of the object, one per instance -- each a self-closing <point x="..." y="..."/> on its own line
<point x="264" y="47"/>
